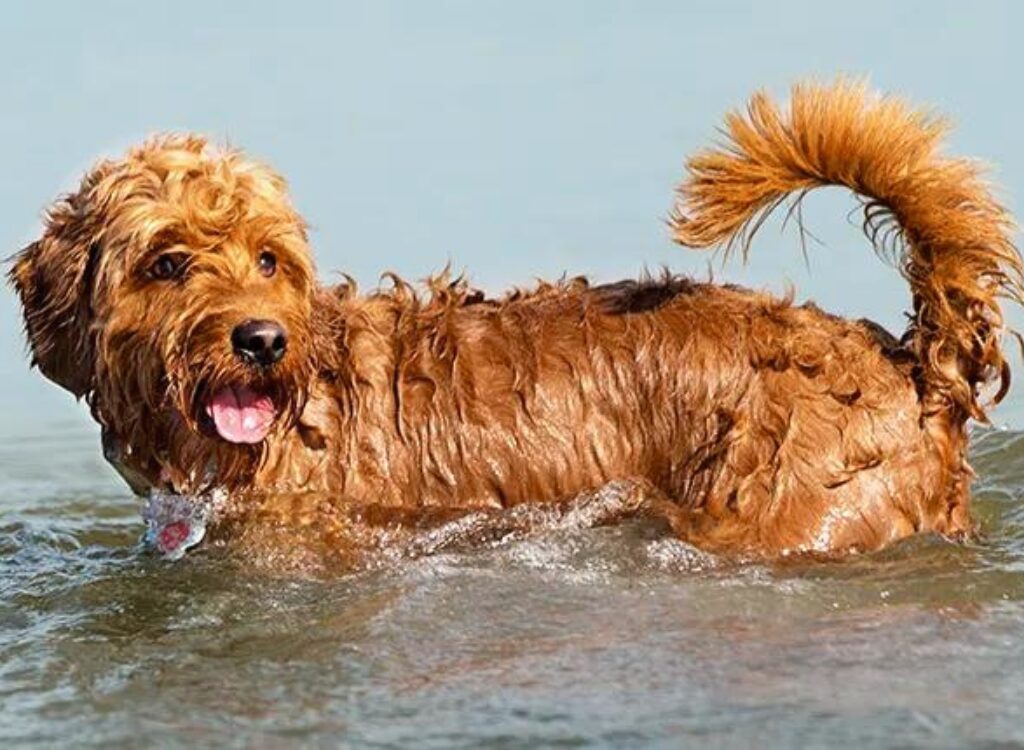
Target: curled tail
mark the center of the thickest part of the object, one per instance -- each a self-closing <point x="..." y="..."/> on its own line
<point x="935" y="214"/>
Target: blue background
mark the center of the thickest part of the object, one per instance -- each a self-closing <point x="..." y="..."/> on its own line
<point x="513" y="140"/>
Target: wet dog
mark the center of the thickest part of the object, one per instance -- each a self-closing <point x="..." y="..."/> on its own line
<point x="175" y="291"/>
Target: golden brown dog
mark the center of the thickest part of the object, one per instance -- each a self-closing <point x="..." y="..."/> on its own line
<point x="175" y="291"/>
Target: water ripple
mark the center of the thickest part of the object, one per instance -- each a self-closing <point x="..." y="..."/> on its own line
<point x="610" y="637"/>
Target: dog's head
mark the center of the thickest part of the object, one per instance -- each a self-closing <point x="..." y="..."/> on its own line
<point x="174" y="291"/>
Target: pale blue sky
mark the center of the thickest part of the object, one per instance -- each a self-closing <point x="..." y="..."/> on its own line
<point x="515" y="140"/>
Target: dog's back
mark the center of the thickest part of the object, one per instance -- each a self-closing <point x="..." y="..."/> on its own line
<point x="768" y="427"/>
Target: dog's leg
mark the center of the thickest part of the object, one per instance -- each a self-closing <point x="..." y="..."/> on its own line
<point x="117" y="455"/>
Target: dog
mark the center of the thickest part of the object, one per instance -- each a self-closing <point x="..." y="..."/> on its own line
<point x="175" y="291"/>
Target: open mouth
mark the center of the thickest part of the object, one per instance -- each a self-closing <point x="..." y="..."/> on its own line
<point x="241" y="414"/>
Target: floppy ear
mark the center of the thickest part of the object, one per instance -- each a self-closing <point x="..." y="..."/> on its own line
<point x="53" y="278"/>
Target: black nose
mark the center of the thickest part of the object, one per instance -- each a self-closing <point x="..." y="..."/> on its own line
<point x="259" y="341"/>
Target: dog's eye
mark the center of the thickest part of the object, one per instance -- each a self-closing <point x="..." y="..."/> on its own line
<point x="167" y="266"/>
<point x="268" y="263"/>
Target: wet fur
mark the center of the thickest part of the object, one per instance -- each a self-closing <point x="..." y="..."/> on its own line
<point x="751" y="424"/>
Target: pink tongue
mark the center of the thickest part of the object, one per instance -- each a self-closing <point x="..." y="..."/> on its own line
<point x="240" y="414"/>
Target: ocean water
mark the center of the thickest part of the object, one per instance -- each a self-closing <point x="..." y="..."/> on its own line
<point x="512" y="141"/>
<point x="612" y="637"/>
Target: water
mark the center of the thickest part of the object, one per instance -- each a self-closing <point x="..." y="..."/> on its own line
<point x="610" y="637"/>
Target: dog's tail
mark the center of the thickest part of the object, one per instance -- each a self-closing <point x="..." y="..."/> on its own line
<point x="935" y="215"/>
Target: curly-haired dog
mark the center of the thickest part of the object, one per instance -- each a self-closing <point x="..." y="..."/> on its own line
<point x="175" y="291"/>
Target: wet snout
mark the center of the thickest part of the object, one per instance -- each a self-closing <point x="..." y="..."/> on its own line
<point x="259" y="342"/>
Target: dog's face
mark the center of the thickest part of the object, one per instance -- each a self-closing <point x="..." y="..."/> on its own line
<point x="174" y="290"/>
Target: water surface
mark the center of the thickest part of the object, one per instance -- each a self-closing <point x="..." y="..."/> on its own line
<point x="608" y="637"/>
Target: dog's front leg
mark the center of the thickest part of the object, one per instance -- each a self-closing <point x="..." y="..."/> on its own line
<point x="119" y="456"/>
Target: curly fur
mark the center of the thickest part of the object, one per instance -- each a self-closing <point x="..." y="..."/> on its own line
<point x="933" y="213"/>
<point x="751" y="424"/>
